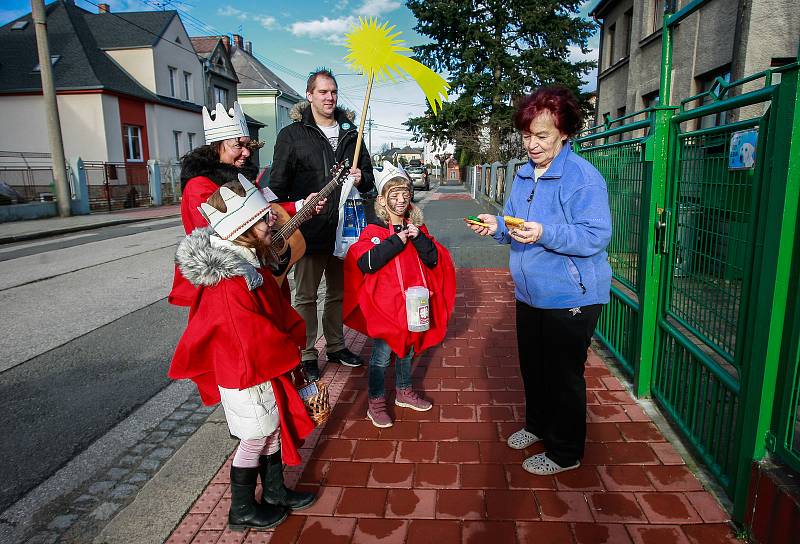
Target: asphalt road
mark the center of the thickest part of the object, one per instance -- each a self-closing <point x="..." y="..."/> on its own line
<point x="88" y="337"/>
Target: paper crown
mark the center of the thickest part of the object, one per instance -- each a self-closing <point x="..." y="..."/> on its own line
<point x="241" y="211"/>
<point x="389" y="171"/>
<point x="225" y="124"/>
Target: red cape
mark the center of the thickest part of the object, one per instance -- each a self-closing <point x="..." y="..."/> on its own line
<point x="197" y="191"/>
<point x="237" y="338"/>
<point x="380" y="296"/>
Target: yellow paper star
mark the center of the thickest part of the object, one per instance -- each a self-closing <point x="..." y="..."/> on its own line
<point x="375" y="51"/>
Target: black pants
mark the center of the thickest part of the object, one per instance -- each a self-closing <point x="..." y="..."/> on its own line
<point x="552" y="355"/>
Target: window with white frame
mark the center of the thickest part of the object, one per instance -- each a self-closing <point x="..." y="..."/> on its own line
<point x="220" y="96"/>
<point x="611" y="34"/>
<point x="191" y="136"/>
<point x="132" y="143"/>
<point x="176" y="136"/>
<point x="656" y="19"/>
<point x="710" y="84"/>
<point x="173" y="81"/>
<point x="187" y="86"/>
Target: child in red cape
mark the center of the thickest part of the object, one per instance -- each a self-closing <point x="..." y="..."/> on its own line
<point x="392" y="254"/>
<point x="241" y="339"/>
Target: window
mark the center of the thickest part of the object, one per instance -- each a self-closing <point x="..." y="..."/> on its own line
<point x="19" y="25"/>
<point x="187" y="86"/>
<point x="220" y="96"/>
<point x="710" y="83"/>
<point x="173" y="81"/>
<point x="628" y="31"/>
<point x="53" y="60"/>
<point x="656" y="20"/>
<point x="176" y="135"/>
<point x="191" y="136"/>
<point x="132" y="143"/>
<point x="612" y="31"/>
<point x="650" y="100"/>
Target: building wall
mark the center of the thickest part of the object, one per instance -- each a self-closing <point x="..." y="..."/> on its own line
<point x="181" y="56"/>
<point x="138" y="63"/>
<point x="162" y="121"/>
<point x="83" y="125"/>
<point x="612" y="81"/>
<point x="271" y="109"/>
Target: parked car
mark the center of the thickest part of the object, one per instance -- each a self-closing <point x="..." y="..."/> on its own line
<point x="419" y="177"/>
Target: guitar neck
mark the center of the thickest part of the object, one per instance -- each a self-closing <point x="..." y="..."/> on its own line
<point x="308" y="207"/>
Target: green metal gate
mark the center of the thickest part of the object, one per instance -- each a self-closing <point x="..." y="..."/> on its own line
<point x="702" y="253"/>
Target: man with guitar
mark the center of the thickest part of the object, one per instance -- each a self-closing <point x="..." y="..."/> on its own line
<point x="321" y="135"/>
<point x="205" y="169"/>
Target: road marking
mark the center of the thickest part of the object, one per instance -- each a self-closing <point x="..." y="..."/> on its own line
<point x="54" y="240"/>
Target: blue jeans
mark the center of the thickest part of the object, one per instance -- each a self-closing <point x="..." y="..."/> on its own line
<point x="379" y="360"/>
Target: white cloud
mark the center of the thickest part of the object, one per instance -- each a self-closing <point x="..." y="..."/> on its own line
<point x="267" y="21"/>
<point x="374" y="8"/>
<point x="330" y="30"/>
<point x="302" y="52"/>
<point x="230" y="11"/>
<point x="576" y="55"/>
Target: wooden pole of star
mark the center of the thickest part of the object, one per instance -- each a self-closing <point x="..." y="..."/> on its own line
<point x="361" y="123"/>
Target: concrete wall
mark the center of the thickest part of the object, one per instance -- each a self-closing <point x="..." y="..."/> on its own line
<point x="138" y="63"/>
<point x="162" y="121"/>
<point x="84" y="120"/>
<point x="181" y="56"/>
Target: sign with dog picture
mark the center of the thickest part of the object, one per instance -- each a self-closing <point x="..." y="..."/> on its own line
<point x="743" y="149"/>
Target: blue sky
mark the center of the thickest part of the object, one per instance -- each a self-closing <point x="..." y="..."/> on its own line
<point x="293" y="37"/>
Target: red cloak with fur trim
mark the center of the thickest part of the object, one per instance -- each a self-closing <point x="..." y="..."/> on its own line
<point x="238" y="338"/>
<point x="380" y="296"/>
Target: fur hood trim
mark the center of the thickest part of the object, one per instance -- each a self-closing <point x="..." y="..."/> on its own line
<point x="296" y="113"/>
<point x="206" y="264"/>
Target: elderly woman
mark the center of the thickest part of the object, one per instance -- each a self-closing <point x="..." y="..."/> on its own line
<point x="561" y="275"/>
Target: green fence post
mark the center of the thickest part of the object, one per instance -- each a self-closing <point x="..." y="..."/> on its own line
<point x="777" y="228"/>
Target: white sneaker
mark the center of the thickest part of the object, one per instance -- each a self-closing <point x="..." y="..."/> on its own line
<point x="522" y="439"/>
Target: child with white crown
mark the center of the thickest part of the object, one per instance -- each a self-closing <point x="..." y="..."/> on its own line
<point x="393" y="254"/>
<point x="242" y="338"/>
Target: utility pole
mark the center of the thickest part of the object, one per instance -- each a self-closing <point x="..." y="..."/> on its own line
<point x="51" y="107"/>
<point x="369" y="125"/>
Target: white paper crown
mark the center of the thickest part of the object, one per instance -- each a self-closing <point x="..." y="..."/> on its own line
<point x="389" y="171"/>
<point x="225" y="124"/>
<point x="242" y="211"/>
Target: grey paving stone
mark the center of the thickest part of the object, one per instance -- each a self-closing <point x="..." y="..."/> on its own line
<point x="206" y="409"/>
<point x="186" y="429"/>
<point x="47" y="537"/>
<point x="150" y="465"/>
<point x="130" y="460"/>
<point x="84" y="503"/>
<point x="61" y="523"/>
<point x="101" y="487"/>
<point x="156" y="437"/>
<point x="167" y="425"/>
<point x="123" y="491"/>
<point x="138" y="477"/>
<point x="161" y="453"/>
<point x="141" y="448"/>
<point x="116" y="473"/>
<point x="180" y="414"/>
<point x="198" y="417"/>
<point x="105" y="511"/>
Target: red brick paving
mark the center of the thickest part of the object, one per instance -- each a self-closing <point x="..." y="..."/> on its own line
<point x="447" y="476"/>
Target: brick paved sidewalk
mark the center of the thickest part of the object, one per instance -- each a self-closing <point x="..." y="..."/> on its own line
<point x="447" y="476"/>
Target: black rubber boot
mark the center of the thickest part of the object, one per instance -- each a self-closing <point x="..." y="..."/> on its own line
<point x="275" y="492"/>
<point x="245" y="512"/>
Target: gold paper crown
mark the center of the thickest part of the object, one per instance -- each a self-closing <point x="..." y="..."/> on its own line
<point x="225" y="124"/>
<point x="241" y="211"/>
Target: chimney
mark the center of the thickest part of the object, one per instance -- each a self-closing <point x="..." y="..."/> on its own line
<point x="226" y="41"/>
<point x="248" y="46"/>
<point x="103" y="8"/>
<point x="237" y="41"/>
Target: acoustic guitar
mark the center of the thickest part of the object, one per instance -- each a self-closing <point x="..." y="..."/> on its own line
<point x="288" y="244"/>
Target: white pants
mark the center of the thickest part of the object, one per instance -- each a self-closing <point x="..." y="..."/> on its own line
<point x="252" y="412"/>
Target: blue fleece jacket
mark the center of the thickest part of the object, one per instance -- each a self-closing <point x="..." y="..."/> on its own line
<point x="568" y="266"/>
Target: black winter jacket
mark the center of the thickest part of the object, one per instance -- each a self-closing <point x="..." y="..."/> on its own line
<point x="301" y="165"/>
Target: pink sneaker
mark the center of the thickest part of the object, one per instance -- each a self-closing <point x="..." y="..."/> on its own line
<point x="407" y="398"/>
<point x="376" y="412"/>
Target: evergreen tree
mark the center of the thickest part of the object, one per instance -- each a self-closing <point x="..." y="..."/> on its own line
<point x="495" y="51"/>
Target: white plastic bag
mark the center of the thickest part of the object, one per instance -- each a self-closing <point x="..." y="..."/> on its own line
<point x="350" y="225"/>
